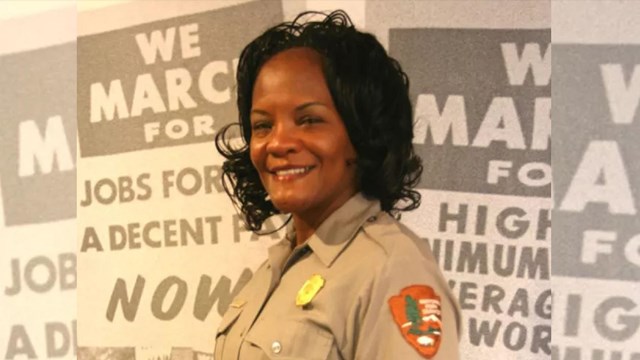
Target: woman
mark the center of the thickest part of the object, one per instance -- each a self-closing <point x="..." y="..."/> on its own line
<point x="328" y="122"/>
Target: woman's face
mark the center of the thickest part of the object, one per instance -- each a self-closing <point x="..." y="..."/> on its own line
<point x="299" y="144"/>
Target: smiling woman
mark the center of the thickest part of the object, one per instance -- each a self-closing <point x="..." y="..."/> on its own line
<point x="299" y="144"/>
<point x="326" y="120"/>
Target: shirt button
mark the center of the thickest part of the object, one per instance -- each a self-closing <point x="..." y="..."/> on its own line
<point x="276" y="347"/>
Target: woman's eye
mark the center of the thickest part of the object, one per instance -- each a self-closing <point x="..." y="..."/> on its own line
<point x="261" y="126"/>
<point x="310" y="120"/>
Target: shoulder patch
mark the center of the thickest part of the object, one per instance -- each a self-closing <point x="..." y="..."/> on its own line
<point x="416" y="311"/>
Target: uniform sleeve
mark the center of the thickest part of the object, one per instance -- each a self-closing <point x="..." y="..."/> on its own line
<point x="410" y="314"/>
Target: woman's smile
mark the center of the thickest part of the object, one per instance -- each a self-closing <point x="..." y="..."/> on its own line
<point x="289" y="173"/>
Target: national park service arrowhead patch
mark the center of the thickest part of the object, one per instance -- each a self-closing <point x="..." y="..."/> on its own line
<point x="416" y="311"/>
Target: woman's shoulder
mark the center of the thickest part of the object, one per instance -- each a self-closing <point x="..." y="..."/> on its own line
<point x="397" y="242"/>
<point x="394" y="255"/>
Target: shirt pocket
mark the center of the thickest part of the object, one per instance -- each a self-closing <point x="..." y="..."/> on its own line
<point x="291" y="340"/>
<point x="229" y="318"/>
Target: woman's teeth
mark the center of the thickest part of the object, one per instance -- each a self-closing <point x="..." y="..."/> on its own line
<point x="293" y="171"/>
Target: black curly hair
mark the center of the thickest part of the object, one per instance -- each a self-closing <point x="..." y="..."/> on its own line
<point x="371" y="94"/>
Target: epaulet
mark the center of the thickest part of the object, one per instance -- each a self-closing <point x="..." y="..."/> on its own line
<point x="387" y="232"/>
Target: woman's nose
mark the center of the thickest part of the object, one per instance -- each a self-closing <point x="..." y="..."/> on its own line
<point x="283" y="140"/>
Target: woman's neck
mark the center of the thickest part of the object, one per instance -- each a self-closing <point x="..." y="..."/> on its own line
<point x="304" y="228"/>
<point x="307" y="222"/>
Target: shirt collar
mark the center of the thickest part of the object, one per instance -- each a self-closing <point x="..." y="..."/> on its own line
<point x="337" y="231"/>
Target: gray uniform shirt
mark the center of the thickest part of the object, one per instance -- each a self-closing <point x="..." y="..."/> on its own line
<point x="365" y="257"/>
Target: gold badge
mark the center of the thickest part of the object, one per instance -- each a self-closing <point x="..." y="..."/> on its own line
<point x="309" y="290"/>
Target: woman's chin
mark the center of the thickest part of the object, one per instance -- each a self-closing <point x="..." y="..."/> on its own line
<point x="288" y="205"/>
